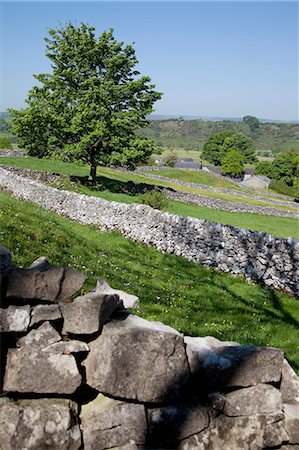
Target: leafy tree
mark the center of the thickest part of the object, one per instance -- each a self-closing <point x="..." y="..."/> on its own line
<point x="252" y="122"/>
<point x="264" y="168"/>
<point x="170" y="158"/>
<point x="92" y="104"/>
<point x="233" y="163"/>
<point x="219" y="144"/>
<point x="284" y="168"/>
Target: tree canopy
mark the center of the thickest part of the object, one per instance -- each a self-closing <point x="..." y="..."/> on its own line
<point x="93" y="103"/>
<point x="232" y="164"/>
<point x="284" y="167"/>
<point x="252" y="122"/>
<point x="219" y="144"/>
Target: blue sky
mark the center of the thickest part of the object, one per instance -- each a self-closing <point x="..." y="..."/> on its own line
<point x="224" y="59"/>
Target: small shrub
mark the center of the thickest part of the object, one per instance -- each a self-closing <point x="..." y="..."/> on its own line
<point x="169" y="159"/>
<point x="154" y="198"/>
<point x="5" y="143"/>
<point x="282" y="188"/>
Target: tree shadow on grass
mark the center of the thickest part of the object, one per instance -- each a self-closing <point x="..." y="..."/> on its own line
<point x="116" y="186"/>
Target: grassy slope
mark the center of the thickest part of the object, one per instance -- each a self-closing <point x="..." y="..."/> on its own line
<point x="114" y="191"/>
<point x="196" y="177"/>
<point x="194" y="300"/>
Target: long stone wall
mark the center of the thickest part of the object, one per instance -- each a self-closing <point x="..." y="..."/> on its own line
<point x="291" y="209"/>
<point x="254" y="255"/>
<point x="85" y="373"/>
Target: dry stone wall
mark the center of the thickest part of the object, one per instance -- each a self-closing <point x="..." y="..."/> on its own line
<point x="85" y="373"/>
<point x="254" y="255"/>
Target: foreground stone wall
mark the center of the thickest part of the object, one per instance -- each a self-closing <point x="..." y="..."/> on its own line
<point x="85" y="373"/>
<point x="254" y="255"/>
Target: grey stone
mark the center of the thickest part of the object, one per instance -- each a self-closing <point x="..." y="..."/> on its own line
<point x="292" y="422"/>
<point x="260" y="399"/>
<point x="34" y="368"/>
<point x="54" y="285"/>
<point x="289" y="386"/>
<point x="215" y="364"/>
<point x="129" y="300"/>
<point x="42" y="264"/>
<point x="42" y="313"/>
<point x="14" y="318"/>
<point x="108" y="423"/>
<point x="87" y="314"/>
<point x="39" y="425"/>
<point x="170" y="424"/>
<point x="137" y="359"/>
<point x="5" y="258"/>
<point x="235" y="433"/>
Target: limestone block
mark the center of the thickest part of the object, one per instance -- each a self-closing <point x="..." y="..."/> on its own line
<point x="235" y="433"/>
<point x="215" y="364"/>
<point x="170" y="424"/>
<point x="289" y="386"/>
<point x="108" y="423"/>
<point x="292" y="422"/>
<point x="14" y="318"/>
<point x="42" y="264"/>
<point x="34" y="368"/>
<point x="39" y="424"/>
<point x="260" y="399"/>
<point x="88" y="314"/>
<point x="42" y="313"/>
<point x="137" y="359"/>
<point x="129" y="300"/>
<point x="53" y="285"/>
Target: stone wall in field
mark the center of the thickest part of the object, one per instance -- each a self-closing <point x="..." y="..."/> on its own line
<point x="255" y="255"/>
<point x="83" y="372"/>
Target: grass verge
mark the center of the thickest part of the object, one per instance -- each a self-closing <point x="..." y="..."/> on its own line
<point x="195" y="300"/>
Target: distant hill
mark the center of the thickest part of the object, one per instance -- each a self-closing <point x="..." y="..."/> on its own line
<point x="191" y="134"/>
<point x="213" y="119"/>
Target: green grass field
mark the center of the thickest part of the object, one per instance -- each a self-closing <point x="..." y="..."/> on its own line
<point x="192" y="299"/>
<point x="198" y="177"/>
<point x="113" y="187"/>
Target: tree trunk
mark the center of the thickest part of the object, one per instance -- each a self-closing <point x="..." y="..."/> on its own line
<point x="93" y="174"/>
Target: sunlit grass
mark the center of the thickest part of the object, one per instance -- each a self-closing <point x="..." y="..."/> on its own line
<point x="195" y="300"/>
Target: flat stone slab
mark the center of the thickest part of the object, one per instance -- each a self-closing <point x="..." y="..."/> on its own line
<point x="289" y="386"/>
<point x="292" y="422"/>
<point x="53" y="285"/>
<point x="137" y="359"/>
<point x="34" y="367"/>
<point x="88" y="314"/>
<point x="43" y="313"/>
<point x="231" y="433"/>
<point x="216" y="364"/>
<point x="39" y="424"/>
<point x="170" y="424"/>
<point x="108" y="423"/>
<point x="14" y="318"/>
<point x="260" y="399"/>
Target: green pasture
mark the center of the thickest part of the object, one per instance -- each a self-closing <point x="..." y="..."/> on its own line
<point x="195" y="300"/>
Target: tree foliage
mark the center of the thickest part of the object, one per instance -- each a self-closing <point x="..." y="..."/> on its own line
<point x="219" y="144"/>
<point x="284" y="168"/>
<point x="92" y="104"/>
<point x="233" y="164"/>
<point x="252" y="122"/>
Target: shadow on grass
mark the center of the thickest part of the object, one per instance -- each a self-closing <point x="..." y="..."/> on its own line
<point x="116" y="186"/>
